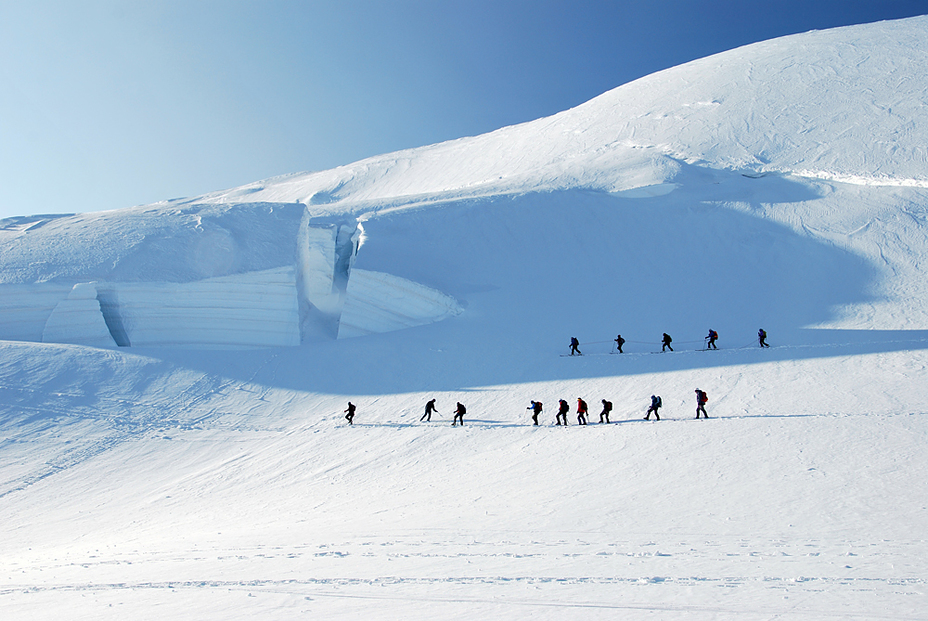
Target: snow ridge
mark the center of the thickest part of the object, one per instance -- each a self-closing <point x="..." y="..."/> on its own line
<point x="846" y="101"/>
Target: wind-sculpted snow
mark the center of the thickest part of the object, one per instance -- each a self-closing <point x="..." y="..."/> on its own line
<point x="845" y="104"/>
<point x="382" y="303"/>
<point x="158" y="243"/>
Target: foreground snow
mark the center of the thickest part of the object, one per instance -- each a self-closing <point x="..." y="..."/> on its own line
<point x="210" y="494"/>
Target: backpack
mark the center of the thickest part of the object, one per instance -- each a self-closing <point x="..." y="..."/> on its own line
<point x="659" y="403"/>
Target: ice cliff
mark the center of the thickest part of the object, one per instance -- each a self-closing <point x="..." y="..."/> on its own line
<point x="245" y="275"/>
<point x="798" y="119"/>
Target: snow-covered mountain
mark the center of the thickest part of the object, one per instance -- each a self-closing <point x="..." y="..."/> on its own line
<point x="789" y="115"/>
<point x="172" y="386"/>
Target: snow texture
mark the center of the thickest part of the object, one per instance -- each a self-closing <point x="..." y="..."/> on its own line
<point x="79" y="320"/>
<point x="252" y="275"/>
<point x="383" y="303"/>
<point x="144" y="473"/>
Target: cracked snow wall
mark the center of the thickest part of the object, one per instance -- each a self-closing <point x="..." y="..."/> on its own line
<point x="78" y="320"/>
<point x="255" y="309"/>
<point x="25" y="309"/>
<point x="326" y="253"/>
<point x="109" y="307"/>
<point x="378" y="302"/>
<point x="309" y="293"/>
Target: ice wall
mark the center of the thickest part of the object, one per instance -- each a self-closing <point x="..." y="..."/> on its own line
<point x="378" y="302"/>
<point x="78" y="320"/>
<point x="257" y="309"/>
<point x="249" y="275"/>
<point x="24" y="309"/>
<point x="326" y="253"/>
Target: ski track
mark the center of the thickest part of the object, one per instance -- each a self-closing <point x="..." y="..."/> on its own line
<point x="606" y="590"/>
<point x="141" y="420"/>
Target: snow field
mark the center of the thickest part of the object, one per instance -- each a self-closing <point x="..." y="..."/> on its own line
<point x="153" y="482"/>
<point x="208" y="477"/>
<point x="795" y="502"/>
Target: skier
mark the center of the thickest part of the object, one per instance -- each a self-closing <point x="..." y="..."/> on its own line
<point x="574" y="346"/>
<point x="666" y="342"/>
<point x="712" y="338"/>
<point x="459" y="414"/>
<point x="701" y="399"/>
<point x="535" y="407"/>
<point x="656" y="403"/>
<point x="562" y="411"/>
<point x="429" y="408"/>
<point x="762" y="338"/>
<point x="350" y="415"/>
<point x="581" y="411"/>
<point x="607" y="407"/>
<point x="619" y="341"/>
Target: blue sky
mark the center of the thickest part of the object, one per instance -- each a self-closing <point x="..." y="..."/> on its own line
<point x="109" y="104"/>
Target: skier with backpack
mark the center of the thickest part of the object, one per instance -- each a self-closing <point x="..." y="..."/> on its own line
<point x="712" y="338"/>
<point x="581" y="411"/>
<point x="575" y="346"/>
<point x="666" y="342"/>
<point x="607" y="407"/>
<point x="459" y="414"/>
<point x="619" y="341"/>
<point x="762" y="338"/>
<point x="562" y="411"/>
<point x="656" y="404"/>
<point x="350" y="415"/>
<point x="701" y="399"/>
<point x="429" y="408"/>
<point x="535" y="407"/>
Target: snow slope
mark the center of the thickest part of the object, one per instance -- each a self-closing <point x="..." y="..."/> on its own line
<point x="780" y="185"/>
<point x="844" y="104"/>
